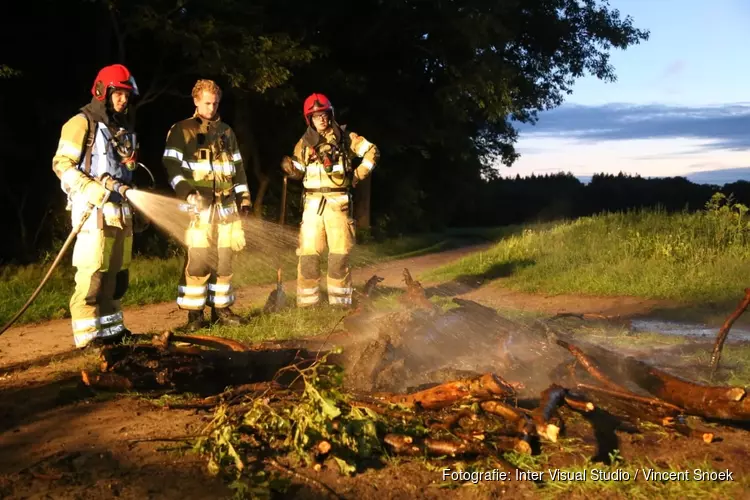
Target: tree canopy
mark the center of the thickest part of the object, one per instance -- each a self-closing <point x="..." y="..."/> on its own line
<point x="436" y="84"/>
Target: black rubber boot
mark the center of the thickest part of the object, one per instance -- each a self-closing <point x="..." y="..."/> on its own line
<point x="226" y="317"/>
<point x="195" y="321"/>
<point x="120" y="338"/>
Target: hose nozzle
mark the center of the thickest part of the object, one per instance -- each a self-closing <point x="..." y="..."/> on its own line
<point x="112" y="184"/>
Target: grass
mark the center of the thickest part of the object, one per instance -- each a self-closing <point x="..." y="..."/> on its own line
<point x="698" y="257"/>
<point x="155" y="280"/>
<point x="734" y="369"/>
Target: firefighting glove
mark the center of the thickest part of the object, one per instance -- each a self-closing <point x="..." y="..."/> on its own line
<point x="197" y="201"/>
<point x="95" y="193"/>
<point x="287" y="165"/>
<point x="112" y="184"/>
<point x="238" y="236"/>
<point x="246" y="206"/>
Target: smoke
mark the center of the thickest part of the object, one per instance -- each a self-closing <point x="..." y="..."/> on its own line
<point x="405" y="350"/>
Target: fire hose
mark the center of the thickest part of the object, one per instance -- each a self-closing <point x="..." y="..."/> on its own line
<point x="66" y="245"/>
<point x="69" y="241"/>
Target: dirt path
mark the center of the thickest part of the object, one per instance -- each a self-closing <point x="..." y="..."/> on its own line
<point x="52" y="338"/>
<point x="59" y="439"/>
<point x="46" y="340"/>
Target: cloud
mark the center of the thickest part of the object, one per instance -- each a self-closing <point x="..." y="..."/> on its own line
<point x="673" y="69"/>
<point x="721" y="176"/>
<point x="719" y="127"/>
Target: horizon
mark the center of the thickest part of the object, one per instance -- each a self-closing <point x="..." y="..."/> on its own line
<point x="679" y="107"/>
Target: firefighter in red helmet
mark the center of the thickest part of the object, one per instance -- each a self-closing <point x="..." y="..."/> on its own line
<point x="95" y="160"/>
<point x="322" y="160"/>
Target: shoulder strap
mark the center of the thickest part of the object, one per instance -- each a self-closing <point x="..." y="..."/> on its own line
<point x="90" y="138"/>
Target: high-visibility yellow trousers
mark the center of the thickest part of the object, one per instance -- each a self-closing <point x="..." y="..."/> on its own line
<point x="207" y="276"/>
<point x="101" y="256"/>
<point x="325" y="224"/>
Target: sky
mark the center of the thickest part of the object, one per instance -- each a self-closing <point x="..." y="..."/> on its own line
<point x="680" y="105"/>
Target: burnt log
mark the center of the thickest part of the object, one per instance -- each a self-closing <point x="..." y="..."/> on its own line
<point x="190" y="369"/>
<point x="719" y="402"/>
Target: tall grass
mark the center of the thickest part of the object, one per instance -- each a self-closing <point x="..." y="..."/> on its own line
<point x="155" y="280"/>
<point x="700" y="257"/>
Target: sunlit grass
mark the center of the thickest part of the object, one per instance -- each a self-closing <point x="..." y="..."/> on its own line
<point x="692" y="257"/>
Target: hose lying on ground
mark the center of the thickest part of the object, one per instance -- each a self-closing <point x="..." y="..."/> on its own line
<point x="66" y="245"/>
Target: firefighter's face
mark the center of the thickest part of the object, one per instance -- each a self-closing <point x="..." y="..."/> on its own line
<point x="207" y="105"/>
<point x="320" y="121"/>
<point x="120" y="100"/>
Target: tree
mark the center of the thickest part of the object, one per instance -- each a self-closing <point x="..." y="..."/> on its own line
<point x="439" y="84"/>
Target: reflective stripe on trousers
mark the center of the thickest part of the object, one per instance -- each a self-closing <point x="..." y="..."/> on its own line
<point x="332" y="229"/>
<point x="87" y="329"/>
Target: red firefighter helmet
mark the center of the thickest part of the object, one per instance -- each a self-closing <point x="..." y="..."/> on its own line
<point x="115" y="76"/>
<point x="315" y="103"/>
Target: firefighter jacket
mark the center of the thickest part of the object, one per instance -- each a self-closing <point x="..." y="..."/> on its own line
<point x="87" y="150"/>
<point x="323" y="161"/>
<point x="203" y="155"/>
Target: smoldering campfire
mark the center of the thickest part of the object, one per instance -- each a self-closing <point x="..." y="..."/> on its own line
<point x="414" y="380"/>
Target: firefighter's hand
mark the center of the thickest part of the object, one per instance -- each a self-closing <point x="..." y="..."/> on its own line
<point x="287" y="165"/>
<point x="355" y="180"/>
<point x="246" y="206"/>
<point x="112" y="184"/>
<point x="96" y="194"/>
<point x="196" y="200"/>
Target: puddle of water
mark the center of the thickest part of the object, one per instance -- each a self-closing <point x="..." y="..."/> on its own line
<point x="693" y="330"/>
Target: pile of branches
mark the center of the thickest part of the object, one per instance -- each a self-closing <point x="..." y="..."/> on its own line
<point x="480" y="417"/>
<point x="315" y="420"/>
<point x="293" y="403"/>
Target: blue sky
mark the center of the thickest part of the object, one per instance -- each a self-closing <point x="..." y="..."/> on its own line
<point x="680" y="105"/>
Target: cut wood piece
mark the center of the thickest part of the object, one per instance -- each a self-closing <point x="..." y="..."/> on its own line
<point x="415" y="295"/>
<point x="574" y="403"/>
<point x="212" y="342"/>
<point x="590" y="365"/>
<point x="703" y="434"/>
<point x="442" y="447"/>
<point x="721" y="402"/>
<point x="402" y="444"/>
<point x="451" y="421"/>
<point x="627" y="395"/>
<point x="480" y="388"/>
<point x="106" y="381"/>
<point x="502" y="410"/>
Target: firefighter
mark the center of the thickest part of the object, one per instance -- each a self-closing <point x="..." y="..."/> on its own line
<point x="322" y="159"/>
<point x="205" y="168"/>
<point x="95" y="160"/>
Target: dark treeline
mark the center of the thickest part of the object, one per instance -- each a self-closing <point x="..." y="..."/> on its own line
<point x="435" y="84"/>
<point x="560" y="196"/>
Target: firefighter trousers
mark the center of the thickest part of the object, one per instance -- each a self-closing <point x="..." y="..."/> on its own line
<point x="325" y="223"/>
<point x="101" y="256"/>
<point x="207" y="276"/>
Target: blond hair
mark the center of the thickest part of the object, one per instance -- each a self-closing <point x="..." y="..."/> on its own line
<point x="208" y="86"/>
